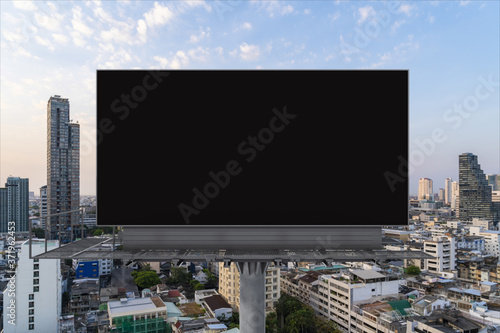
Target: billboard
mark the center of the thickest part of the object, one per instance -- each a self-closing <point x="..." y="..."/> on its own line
<point x="233" y="148"/>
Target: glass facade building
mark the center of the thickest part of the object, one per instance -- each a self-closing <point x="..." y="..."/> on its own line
<point x="475" y="197"/>
<point x="63" y="162"/>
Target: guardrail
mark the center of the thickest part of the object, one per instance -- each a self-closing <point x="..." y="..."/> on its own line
<point x="71" y="225"/>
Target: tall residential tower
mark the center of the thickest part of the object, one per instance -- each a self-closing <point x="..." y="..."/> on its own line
<point x="474" y="191"/>
<point x="14" y="204"/>
<point x="425" y="191"/>
<point x="63" y="162"/>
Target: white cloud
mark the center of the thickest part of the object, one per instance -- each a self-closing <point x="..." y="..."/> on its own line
<point x="464" y="2"/>
<point x="179" y="60"/>
<point x="274" y="7"/>
<point x="13" y="36"/>
<point x="159" y="15"/>
<point x="48" y="22"/>
<point x="286" y="10"/>
<point x="20" y="51"/>
<point x="407" y="8"/>
<point x="162" y="60"/>
<point x="334" y="16"/>
<point x="60" y="38"/>
<point x="365" y="13"/>
<point x="44" y="42"/>
<point x="25" y="5"/>
<point x="431" y="19"/>
<point x="219" y="50"/>
<point x="203" y="34"/>
<point x="246" y="26"/>
<point x="199" y="54"/>
<point x="395" y="26"/>
<point x="249" y="52"/>
<point x="78" y="24"/>
<point x="142" y="30"/>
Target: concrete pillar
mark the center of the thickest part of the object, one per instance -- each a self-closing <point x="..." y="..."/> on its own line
<point x="252" y="296"/>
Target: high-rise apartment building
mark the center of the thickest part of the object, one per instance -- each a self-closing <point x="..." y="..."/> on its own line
<point x="447" y="191"/>
<point x="494" y="182"/>
<point x="425" y="191"/>
<point x="14" y="204"/>
<point x="43" y="204"/>
<point x="4" y="207"/>
<point x="474" y="192"/>
<point x="454" y="195"/>
<point x="441" y="194"/>
<point x="229" y="286"/>
<point x="63" y="162"/>
<point x="36" y="298"/>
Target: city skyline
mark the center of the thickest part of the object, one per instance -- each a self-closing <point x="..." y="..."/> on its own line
<point x="451" y="50"/>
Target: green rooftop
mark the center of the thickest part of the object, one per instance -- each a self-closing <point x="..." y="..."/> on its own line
<point x="400" y="305"/>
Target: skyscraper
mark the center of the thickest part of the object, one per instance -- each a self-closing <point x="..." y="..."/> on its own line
<point x="474" y="191"/>
<point x="4" y="207"/>
<point x="447" y="191"/>
<point x="18" y="202"/>
<point x="63" y="162"/>
<point x="454" y="195"/>
<point x="14" y="204"/>
<point x="494" y="182"/>
<point x="425" y="189"/>
<point x="43" y="204"/>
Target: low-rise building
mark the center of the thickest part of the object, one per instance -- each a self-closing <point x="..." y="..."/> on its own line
<point x="137" y="314"/>
<point x="217" y="306"/>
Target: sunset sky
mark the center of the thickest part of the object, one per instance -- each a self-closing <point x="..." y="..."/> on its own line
<point x="451" y="49"/>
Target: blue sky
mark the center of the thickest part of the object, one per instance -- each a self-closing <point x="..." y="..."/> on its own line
<point x="451" y="49"/>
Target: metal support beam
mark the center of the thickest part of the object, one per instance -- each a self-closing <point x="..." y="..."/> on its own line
<point x="252" y="296"/>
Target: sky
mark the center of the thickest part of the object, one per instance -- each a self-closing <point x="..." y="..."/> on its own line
<point x="451" y="49"/>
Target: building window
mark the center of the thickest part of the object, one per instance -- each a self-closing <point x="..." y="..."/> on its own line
<point x="35" y="260"/>
<point x="36" y="281"/>
<point x="31" y="297"/>
<point x="31" y="304"/>
<point x="36" y="289"/>
<point x="31" y="327"/>
<point x="36" y="266"/>
<point x="31" y="319"/>
<point x="31" y="312"/>
<point x="36" y="274"/>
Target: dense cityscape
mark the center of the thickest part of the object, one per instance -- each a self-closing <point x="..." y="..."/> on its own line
<point x="456" y="289"/>
<point x="436" y="269"/>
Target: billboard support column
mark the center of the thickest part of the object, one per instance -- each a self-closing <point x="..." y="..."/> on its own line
<point x="252" y="296"/>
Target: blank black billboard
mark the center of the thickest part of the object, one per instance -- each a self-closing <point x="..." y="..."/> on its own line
<point x="252" y="147"/>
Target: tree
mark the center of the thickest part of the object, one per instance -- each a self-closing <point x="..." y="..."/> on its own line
<point x="272" y="323"/>
<point x="413" y="270"/>
<point x="39" y="232"/>
<point x="146" y="279"/>
<point x="231" y="322"/>
<point x="324" y="325"/>
<point x="179" y="275"/>
<point x="97" y="232"/>
<point x="212" y="280"/>
<point x="301" y="321"/>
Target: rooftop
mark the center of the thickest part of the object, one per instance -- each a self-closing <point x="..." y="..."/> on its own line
<point x="126" y="307"/>
<point x="367" y="274"/>
<point x="216" y="302"/>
